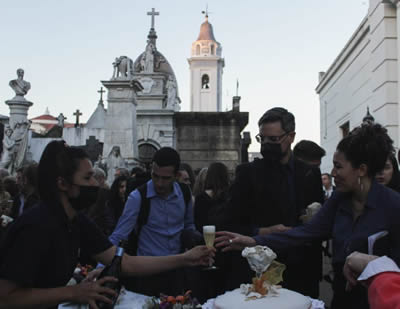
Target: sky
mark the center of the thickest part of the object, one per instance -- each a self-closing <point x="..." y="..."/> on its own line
<point x="274" y="48"/>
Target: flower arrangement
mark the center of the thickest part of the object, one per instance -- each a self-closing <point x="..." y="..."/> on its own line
<point x="170" y="302"/>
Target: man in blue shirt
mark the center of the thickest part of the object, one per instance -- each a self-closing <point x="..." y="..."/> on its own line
<point x="168" y="218"/>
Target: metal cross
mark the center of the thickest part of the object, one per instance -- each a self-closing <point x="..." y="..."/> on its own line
<point x="77" y="114"/>
<point x="153" y="13"/>
<point x="101" y="91"/>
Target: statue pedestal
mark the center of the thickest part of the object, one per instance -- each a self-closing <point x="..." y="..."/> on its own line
<point x="19" y="107"/>
<point x="120" y="123"/>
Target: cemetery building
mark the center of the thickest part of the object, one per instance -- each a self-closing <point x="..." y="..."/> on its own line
<point x="363" y="76"/>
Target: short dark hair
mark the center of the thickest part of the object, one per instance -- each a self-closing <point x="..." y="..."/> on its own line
<point x="367" y="144"/>
<point x="167" y="156"/>
<point x="57" y="160"/>
<point x="327" y="174"/>
<point x="279" y="114"/>
<point x="308" y="151"/>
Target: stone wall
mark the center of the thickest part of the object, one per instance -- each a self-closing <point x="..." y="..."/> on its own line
<point x="206" y="137"/>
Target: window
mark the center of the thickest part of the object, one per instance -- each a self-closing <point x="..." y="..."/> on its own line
<point x="212" y="49"/>
<point x="205" y="82"/>
<point x="197" y="50"/>
<point x="345" y="128"/>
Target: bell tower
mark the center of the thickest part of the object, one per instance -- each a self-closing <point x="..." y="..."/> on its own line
<point x="206" y="68"/>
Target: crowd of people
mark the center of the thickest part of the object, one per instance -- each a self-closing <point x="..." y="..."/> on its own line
<point x="64" y="213"/>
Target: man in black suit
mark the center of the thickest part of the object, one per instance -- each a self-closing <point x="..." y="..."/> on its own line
<point x="270" y="194"/>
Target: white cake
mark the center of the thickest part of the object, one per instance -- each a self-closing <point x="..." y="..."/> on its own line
<point x="285" y="300"/>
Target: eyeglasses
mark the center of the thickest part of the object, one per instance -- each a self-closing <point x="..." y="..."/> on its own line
<point x="275" y="139"/>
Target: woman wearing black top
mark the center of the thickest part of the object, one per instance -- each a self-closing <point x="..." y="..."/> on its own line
<point x="43" y="246"/>
<point x="209" y="204"/>
<point x="209" y="209"/>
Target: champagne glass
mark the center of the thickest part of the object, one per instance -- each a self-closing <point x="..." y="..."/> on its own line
<point x="209" y="237"/>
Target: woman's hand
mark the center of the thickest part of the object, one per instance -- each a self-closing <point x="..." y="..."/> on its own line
<point x="233" y="241"/>
<point x="199" y="255"/>
<point x="90" y="292"/>
<point x="355" y="265"/>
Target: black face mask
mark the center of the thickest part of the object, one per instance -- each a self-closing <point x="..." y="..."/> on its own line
<point x="272" y="152"/>
<point x="86" y="198"/>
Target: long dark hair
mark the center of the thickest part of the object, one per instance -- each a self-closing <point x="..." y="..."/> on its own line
<point x="114" y="190"/>
<point x="58" y="160"/>
<point x="217" y="180"/>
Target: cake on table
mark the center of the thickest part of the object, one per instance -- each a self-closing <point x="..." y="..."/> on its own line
<point x="263" y="293"/>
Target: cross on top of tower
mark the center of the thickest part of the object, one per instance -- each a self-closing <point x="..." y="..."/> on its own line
<point x="153" y="13"/>
<point x="206" y="12"/>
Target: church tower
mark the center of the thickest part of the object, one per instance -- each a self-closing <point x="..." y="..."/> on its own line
<point x="206" y="68"/>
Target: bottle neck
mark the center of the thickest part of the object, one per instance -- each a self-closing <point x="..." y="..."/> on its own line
<point x="119" y="252"/>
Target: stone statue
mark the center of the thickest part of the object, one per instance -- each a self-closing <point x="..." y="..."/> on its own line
<point x="123" y="68"/>
<point x="149" y="58"/>
<point x="171" y="92"/>
<point x="19" y="85"/>
<point x="8" y="155"/>
<point x="113" y="162"/>
<point x="61" y="118"/>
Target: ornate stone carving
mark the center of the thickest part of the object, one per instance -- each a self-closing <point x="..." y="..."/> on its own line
<point x="171" y="92"/>
<point x="15" y="144"/>
<point x="19" y="85"/>
<point x="147" y="84"/>
<point x="123" y="68"/>
<point x="113" y="162"/>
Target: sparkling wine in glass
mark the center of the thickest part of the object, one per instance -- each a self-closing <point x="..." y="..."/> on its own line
<point x="209" y="237"/>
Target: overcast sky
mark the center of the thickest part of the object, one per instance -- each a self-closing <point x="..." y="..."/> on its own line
<point x="274" y="48"/>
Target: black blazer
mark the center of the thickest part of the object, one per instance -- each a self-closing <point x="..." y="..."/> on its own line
<point x="256" y="196"/>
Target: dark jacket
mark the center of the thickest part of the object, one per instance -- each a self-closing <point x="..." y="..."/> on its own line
<point x="256" y="194"/>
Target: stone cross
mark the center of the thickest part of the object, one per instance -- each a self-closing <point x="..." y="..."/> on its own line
<point x="77" y="114"/>
<point x="101" y="91"/>
<point x="153" y="13"/>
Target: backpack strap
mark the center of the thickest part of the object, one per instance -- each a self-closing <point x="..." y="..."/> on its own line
<point x="144" y="212"/>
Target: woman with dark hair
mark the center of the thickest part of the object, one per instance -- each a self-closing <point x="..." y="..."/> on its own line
<point x="209" y="209"/>
<point x="390" y="175"/>
<point x="208" y="203"/>
<point x="186" y="175"/>
<point x="116" y="202"/>
<point x="359" y="208"/>
<point x="42" y="248"/>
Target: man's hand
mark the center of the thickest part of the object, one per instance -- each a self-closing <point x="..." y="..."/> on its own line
<point x="90" y="292"/>
<point x="199" y="255"/>
<point x="279" y="228"/>
<point x="354" y="266"/>
<point x="233" y="241"/>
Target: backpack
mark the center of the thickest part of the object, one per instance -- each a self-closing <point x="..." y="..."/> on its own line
<point x="144" y="212"/>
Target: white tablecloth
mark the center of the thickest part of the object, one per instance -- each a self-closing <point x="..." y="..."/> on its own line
<point x="130" y="300"/>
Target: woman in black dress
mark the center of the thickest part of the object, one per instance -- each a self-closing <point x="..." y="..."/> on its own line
<point x="42" y="248"/>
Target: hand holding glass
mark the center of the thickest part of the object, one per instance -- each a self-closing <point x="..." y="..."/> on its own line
<point x="209" y="237"/>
